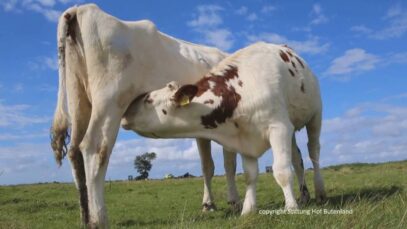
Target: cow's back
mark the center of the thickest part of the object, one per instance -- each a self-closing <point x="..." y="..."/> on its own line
<point x="134" y="55"/>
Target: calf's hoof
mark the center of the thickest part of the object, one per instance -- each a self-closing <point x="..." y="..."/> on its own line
<point x="247" y="209"/>
<point x="208" y="207"/>
<point x="291" y="206"/>
<point x="235" y="206"/>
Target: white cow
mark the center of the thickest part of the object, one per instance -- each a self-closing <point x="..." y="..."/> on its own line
<point x="104" y="63"/>
<point x="253" y="99"/>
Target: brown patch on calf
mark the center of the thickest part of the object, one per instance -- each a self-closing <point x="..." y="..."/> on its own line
<point x="290" y="53"/>
<point x="287" y="47"/>
<point x="148" y="99"/>
<point x="240" y="83"/>
<point x="284" y="56"/>
<point x="299" y="61"/>
<point x="236" y="125"/>
<point x="293" y="64"/>
<point x="209" y="101"/>
<point x="187" y="90"/>
<point x="302" y="87"/>
<point x="230" y="98"/>
<point x="164" y="111"/>
<point x="203" y="84"/>
<point x="291" y="72"/>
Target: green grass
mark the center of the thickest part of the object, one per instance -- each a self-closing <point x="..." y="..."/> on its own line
<point x="376" y="193"/>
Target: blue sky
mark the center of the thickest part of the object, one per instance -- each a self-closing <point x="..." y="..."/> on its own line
<point x="357" y="50"/>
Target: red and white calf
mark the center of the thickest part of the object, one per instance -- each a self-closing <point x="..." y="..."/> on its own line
<point x="252" y="100"/>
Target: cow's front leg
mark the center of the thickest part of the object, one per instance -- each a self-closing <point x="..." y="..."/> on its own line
<point x="204" y="148"/>
<point x="229" y="162"/>
<point x="251" y="170"/>
<point x="96" y="147"/>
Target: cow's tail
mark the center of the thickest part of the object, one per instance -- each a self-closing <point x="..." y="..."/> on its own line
<point x="60" y="125"/>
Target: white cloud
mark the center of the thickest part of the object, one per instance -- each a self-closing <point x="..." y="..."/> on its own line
<point x="15" y="115"/>
<point x="166" y="150"/>
<point x="396" y="20"/>
<point x="44" y="63"/>
<point x="353" y="61"/>
<point x="252" y="17"/>
<point x="221" y="38"/>
<point x="21" y="136"/>
<point x="318" y="15"/>
<point x="310" y="46"/>
<point x="208" y="23"/>
<point x="49" y="3"/>
<point x="242" y="10"/>
<point x="360" y="29"/>
<point x="44" y="7"/>
<point x="18" y="87"/>
<point x="376" y="132"/>
<point x="267" y="9"/>
<point x="47" y="88"/>
<point x="207" y="16"/>
<point x="9" y="5"/>
<point x="317" y="18"/>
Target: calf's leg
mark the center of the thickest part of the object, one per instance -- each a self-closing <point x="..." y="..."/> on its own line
<point x="314" y="131"/>
<point x="299" y="170"/>
<point x="204" y="148"/>
<point x="229" y="162"/>
<point x="281" y="142"/>
<point x="251" y="170"/>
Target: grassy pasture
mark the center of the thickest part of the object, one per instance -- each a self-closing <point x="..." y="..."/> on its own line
<point x="376" y="194"/>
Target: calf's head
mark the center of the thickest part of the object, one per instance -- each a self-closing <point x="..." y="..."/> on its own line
<point x="164" y="112"/>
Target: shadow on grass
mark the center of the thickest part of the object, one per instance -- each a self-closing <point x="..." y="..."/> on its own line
<point x="372" y="194"/>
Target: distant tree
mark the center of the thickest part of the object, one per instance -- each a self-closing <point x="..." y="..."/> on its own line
<point x="143" y="165"/>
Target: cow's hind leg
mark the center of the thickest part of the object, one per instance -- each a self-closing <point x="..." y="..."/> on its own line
<point x="204" y="148"/>
<point x="314" y="131"/>
<point x="96" y="148"/>
<point x="280" y="140"/>
<point x="80" y="118"/>
<point x="79" y="110"/>
<point x="299" y="170"/>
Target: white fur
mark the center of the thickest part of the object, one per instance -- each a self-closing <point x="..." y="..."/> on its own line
<point x="107" y="65"/>
<point x="272" y="106"/>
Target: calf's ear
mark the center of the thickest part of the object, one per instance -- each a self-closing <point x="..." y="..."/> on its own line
<point x="185" y="94"/>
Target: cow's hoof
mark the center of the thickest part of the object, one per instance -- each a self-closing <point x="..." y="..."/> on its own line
<point x="321" y="198"/>
<point x="235" y="206"/>
<point x="208" y="207"/>
<point x="304" y="198"/>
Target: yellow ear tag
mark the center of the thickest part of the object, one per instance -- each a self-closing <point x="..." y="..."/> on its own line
<point x="184" y="101"/>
